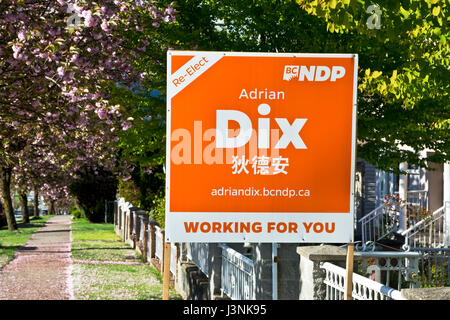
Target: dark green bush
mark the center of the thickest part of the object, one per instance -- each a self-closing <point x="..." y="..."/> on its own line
<point x="92" y="188"/>
<point x="130" y="192"/>
<point x="144" y="189"/>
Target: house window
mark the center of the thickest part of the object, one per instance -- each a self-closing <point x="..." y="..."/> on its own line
<point x="396" y="182"/>
<point x="413" y="178"/>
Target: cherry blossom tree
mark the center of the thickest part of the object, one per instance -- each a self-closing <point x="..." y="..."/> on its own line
<point x="58" y="62"/>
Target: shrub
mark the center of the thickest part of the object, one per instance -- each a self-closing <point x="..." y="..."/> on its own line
<point x="92" y="188"/>
<point x="76" y="212"/>
<point x="130" y="192"/>
<point x="144" y="188"/>
<point x="159" y="211"/>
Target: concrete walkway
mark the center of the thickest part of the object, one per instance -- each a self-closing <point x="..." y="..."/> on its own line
<point x="41" y="270"/>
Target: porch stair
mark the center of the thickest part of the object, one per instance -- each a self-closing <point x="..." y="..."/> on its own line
<point x="428" y="237"/>
<point x="380" y="226"/>
<point x="430" y="232"/>
<point x="383" y="226"/>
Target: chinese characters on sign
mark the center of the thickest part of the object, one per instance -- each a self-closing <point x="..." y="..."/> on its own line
<point x="261" y="165"/>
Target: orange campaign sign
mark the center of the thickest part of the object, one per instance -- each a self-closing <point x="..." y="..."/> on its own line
<point x="260" y="147"/>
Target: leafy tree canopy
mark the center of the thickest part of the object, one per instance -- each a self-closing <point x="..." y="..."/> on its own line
<point x="403" y="78"/>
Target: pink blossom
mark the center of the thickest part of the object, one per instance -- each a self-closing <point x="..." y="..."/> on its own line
<point x="16" y="49"/>
<point x="170" y="11"/>
<point x="148" y="170"/>
<point x="89" y="20"/>
<point x="154" y="13"/>
<point x="52" y="107"/>
<point x="22" y="35"/>
<point x="102" y="113"/>
<point x="126" y="126"/>
<point x="61" y="71"/>
<point x="74" y="58"/>
<point x="74" y="8"/>
<point x="105" y="26"/>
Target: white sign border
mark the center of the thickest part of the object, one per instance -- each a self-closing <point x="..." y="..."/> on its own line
<point x="173" y="219"/>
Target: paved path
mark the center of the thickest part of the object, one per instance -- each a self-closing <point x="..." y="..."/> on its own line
<point x="41" y="270"/>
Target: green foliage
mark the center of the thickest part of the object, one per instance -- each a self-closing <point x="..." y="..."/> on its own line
<point x="151" y="185"/>
<point x="92" y="188"/>
<point x="76" y="212"/>
<point x="130" y="192"/>
<point x="434" y="270"/>
<point x="159" y="211"/>
<point x="403" y="77"/>
<point x="143" y="187"/>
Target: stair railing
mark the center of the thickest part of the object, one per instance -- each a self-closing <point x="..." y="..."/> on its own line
<point x="430" y="232"/>
<point x="380" y="223"/>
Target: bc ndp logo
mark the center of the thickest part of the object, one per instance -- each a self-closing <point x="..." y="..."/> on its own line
<point x="313" y="73"/>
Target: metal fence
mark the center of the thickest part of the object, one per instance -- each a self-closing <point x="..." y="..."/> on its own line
<point x="430" y="232"/>
<point x="362" y="289"/>
<point x="419" y="267"/>
<point x="434" y="266"/>
<point x="237" y="275"/>
<point x="391" y="268"/>
<point x="199" y="254"/>
<point x="379" y="223"/>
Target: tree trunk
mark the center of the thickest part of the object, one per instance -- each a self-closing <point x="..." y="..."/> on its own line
<point x="5" y="188"/>
<point x="51" y="210"/>
<point x="36" y="202"/>
<point x="24" y="205"/>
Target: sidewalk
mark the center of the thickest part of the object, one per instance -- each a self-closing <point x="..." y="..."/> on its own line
<point x="41" y="270"/>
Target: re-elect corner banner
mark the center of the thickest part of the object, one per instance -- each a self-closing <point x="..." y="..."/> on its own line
<point x="260" y="147"/>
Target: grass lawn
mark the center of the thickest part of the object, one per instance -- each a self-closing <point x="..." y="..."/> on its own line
<point x="10" y="241"/>
<point x="106" y="268"/>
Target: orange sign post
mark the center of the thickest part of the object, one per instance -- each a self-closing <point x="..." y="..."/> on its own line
<point x="260" y="147"/>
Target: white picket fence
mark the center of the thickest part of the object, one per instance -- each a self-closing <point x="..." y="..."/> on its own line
<point x="363" y="288"/>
